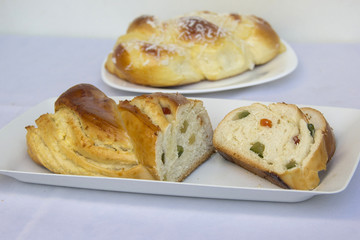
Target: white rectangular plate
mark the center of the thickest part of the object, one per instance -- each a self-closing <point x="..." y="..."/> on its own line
<point x="216" y="178"/>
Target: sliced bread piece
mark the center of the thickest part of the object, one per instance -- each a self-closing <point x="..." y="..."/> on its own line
<point x="276" y="142"/>
<point x="171" y="133"/>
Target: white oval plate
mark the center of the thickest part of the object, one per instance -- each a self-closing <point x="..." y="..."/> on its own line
<point x="277" y="68"/>
<point x="216" y="178"/>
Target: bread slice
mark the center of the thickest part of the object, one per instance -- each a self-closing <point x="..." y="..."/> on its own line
<point x="180" y="130"/>
<point x="278" y="142"/>
<point x="157" y="136"/>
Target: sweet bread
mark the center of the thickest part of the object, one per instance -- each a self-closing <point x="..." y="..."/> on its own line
<point x="280" y="142"/>
<point x="190" y="48"/>
<point x="156" y="136"/>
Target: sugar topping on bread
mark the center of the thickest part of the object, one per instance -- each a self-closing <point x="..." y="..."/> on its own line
<point x="190" y="48"/>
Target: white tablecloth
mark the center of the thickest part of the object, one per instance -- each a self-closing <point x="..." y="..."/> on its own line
<point x="33" y="69"/>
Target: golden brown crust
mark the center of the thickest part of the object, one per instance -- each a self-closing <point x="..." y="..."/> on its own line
<point x="89" y="134"/>
<point x="197" y="29"/>
<point x="158" y="65"/>
<point x="90" y="103"/>
<point x="266" y="32"/>
<point x="143" y="134"/>
<point x="161" y="107"/>
<point x="142" y="24"/>
<point x="190" y="48"/>
<point x="83" y="137"/>
<point x="307" y="176"/>
<point x="97" y="112"/>
<point x="329" y="137"/>
<point x="62" y="154"/>
<point x="121" y="60"/>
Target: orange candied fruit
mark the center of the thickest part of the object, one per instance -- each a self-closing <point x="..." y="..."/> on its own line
<point x="266" y="123"/>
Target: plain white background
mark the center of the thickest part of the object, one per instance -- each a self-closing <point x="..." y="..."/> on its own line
<point x="297" y="21"/>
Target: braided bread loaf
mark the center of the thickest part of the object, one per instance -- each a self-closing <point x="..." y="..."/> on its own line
<point x="157" y="136"/>
<point x="191" y="48"/>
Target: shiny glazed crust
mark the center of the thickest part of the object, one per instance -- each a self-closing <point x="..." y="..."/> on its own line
<point x="82" y="137"/>
<point x="89" y="134"/>
<point x="190" y="48"/>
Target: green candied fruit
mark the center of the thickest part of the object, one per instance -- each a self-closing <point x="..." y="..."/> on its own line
<point x="243" y="114"/>
<point x="311" y="129"/>
<point x="192" y="139"/>
<point x="180" y="150"/>
<point x="184" y="127"/>
<point x="163" y="158"/>
<point x="291" y="164"/>
<point x="258" y="148"/>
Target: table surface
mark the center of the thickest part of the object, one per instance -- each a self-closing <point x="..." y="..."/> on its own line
<point x="35" y="68"/>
